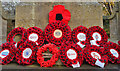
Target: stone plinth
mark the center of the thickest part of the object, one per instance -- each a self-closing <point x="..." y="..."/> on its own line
<point x="36" y="14"/>
<point x="119" y="23"/>
<point x="3" y="30"/>
<point x="115" y="26"/>
<point x="3" y="27"/>
<point x="85" y="14"/>
<point x="25" y="16"/>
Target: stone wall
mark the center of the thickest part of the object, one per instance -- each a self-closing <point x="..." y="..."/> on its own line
<point x="36" y="14"/>
<point x="4" y="30"/>
<point x="115" y="26"/>
<point x="0" y="28"/>
<point x="3" y="27"/>
<point x="119" y="23"/>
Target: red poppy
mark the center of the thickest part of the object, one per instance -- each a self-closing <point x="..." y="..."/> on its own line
<point x="96" y="36"/>
<point x="7" y="52"/>
<point x="112" y="50"/>
<point x="79" y="36"/>
<point x="59" y="13"/>
<point x="14" y="32"/>
<point x="34" y="34"/>
<point x="55" y="54"/>
<point x="57" y="33"/>
<point x="71" y="54"/>
<point x="26" y="53"/>
<point x="93" y="53"/>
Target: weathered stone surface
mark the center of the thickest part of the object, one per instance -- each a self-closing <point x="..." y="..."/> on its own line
<point x="86" y="14"/>
<point x="8" y="10"/>
<point x="37" y="14"/>
<point x="41" y="14"/>
<point x="3" y="27"/>
<point x="113" y="29"/>
<point x="3" y="30"/>
<point x="115" y="26"/>
<point x="0" y="25"/>
<point x="25" y="16"/>
<point x="119" y="23"/>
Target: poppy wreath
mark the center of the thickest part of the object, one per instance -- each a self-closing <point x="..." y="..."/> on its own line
<point x="55" y="54"/>
<point x="26" y="53"/>
<point x="112" y="50"/>
<point x="7" y="53"/>
<point x="14" y="32"/>
<point x="71" y="54"/>
<point x="79" y="36"/>
<point x="57" y="33"/>
<point x="34" y="34"/>
<point x="98" y="35"/>
<point x="93" y="53"/>
<point x="59" y="13"/>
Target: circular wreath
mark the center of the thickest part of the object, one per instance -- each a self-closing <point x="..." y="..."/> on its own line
<point x="79" y="36"/>
<point x="55" y="54"/>
<point x="57" y="32"/>
<point x="14" y="32"/>
<point x="34" y="34"/>
<point x="97" y="35"/>
<point x="71" y="54"/>
<point x="7" y="52"/>
<point x="26" y="53"/>
<point x="59" y="13"/>
<point x="112" y="50"/>
<point x="93" y="53"/>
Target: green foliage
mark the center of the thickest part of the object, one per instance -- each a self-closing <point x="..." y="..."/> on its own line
<point x="106" y="27"/>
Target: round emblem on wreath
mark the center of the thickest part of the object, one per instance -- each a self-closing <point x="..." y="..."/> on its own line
<point x="71" y="54"/>
<point x="34" y="34"/>
<point x="57" y="32"/>
<point x="26" y="53"/>
<point x="7" y="52"/>
<point x="95" y="55"/>
<point x="96" y="36"/>
<point x="112" y="51"/>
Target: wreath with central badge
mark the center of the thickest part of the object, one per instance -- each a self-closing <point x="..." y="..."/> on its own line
<point x="34" y="34"/>
<point x="57" y="32"/>
<point x="112" y="50"/>
<point x="71" y="54"/>
<point x="26" y="53"/>
<point x="94" y="55"/>
<point x="79" y="36"/>
<point x="96" y="36"/>
<point x="7" y="52"/>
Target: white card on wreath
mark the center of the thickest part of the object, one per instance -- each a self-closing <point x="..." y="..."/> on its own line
<point x="93" y="42"/>
<point x="99" y="63"/>
<point x="81" y="45"/>
<point x="76" y="65"/>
